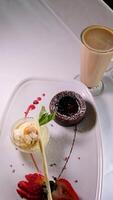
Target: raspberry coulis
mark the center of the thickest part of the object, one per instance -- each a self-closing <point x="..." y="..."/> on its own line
<point x="33" y="105"/>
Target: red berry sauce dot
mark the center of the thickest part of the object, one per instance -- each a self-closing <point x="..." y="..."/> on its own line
<point x="35" y="101"/>
<point x="39" y="98"/>
<point x="32" y="107"/>
<point x="76" y="181"/>
<point x="43" y="94"/>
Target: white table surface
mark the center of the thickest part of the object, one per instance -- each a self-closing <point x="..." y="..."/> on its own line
<point x="34" y="43"/>
<point x="78" y="14"/>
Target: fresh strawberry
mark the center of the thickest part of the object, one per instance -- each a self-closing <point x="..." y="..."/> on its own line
<point x="64" y="191"/>
<point x="34" y="188"/>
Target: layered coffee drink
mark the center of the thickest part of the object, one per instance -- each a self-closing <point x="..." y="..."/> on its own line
<point x="96" y="53"/>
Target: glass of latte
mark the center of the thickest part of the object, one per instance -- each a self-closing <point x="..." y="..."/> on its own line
<point x="96" y="55"/>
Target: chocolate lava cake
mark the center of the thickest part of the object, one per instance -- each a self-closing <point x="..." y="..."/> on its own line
<point x="69" y="107"/>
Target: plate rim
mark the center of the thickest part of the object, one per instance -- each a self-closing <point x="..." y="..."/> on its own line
<point x="98" y="136"/>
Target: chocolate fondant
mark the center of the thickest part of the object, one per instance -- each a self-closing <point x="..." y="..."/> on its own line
<point x="69" y="107"/>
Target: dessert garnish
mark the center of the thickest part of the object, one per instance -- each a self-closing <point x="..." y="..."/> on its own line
<point x="69" y="107"/>
<point x="45" y="117"/>
<point x="34" y="188"/>
<point x="25" y="132"/>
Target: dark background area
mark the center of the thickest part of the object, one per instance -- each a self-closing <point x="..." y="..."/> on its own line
<point x="109" y="3"/>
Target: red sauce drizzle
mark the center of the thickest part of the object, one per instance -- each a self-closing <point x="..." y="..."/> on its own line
<point x="30" y="107"/>
<point x="39" y="98"/>
<point x="33" y="105"/>
<point x="35" y="101"/>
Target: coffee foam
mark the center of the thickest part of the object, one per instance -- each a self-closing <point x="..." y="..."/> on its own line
<point x="98" y="38"/>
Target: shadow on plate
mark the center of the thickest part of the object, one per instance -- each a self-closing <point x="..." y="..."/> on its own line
<point x="89" y="120"/>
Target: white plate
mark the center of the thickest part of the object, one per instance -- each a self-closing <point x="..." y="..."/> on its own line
<point x="85" y="164"/>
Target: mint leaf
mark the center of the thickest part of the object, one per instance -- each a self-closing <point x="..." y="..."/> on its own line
<point x="45" y="117"/>
<point x="42" y="112"/>
<point x="51" y="116"/>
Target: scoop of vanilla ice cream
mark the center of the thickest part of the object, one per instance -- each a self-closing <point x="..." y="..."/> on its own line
<point x="25" y="134"/>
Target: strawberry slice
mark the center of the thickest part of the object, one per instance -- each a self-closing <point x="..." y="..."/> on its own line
<point x="33" y="188"/>
<point x="64" y="191"/>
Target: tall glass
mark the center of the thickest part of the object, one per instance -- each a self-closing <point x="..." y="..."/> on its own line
<point x="96" y="55"/>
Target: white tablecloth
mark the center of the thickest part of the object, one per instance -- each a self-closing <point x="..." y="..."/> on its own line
<point x="33" y="42"/>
